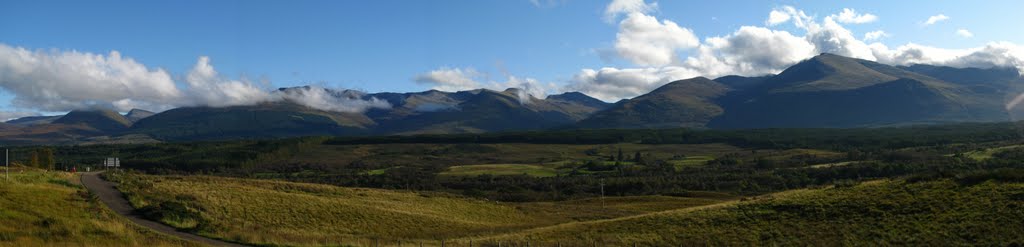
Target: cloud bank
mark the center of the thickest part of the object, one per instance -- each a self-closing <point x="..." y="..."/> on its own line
<point x="461" y="79"/>
<point x="57" y="81"/>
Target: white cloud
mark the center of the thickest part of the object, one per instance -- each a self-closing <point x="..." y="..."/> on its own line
<point x="612" y="84"/>
<point x="323" y="99"/>
<point x="875" y="35"/>
<point x="66" y="80"/>
<point x="461" y="79"/>
<point x="754" y="51"/>
<point x="850" y="16"/>
<point x="964" y="33"/>
<point x="207" y="88"/>
<point x="789" y="13"/>
<point x="451" y="79"/>
<point x="57" y="81"/>
<point x="777" y="17"/>
<point x="935" y="19"/>
<point x="748" y="51"/>
<point x="758" y="50"/>
<point x="831" y="37"/>
<point x="617" y="7"/>
<point x="645" y="41"/>
<point x="995" y="54"/>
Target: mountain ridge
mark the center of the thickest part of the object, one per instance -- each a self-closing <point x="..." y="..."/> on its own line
<point x="825" y="91"/>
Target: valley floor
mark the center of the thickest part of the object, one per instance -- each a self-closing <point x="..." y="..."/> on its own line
<point x="884" y="212"/>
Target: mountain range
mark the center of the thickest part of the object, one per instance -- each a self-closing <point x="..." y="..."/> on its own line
<point x="826" y="91"/>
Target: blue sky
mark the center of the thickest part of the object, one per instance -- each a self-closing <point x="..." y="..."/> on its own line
<point x="383" y="45"/>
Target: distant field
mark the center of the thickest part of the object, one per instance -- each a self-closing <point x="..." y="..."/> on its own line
<point x="40" y="208"/>
<point x="874" y="213"/>
<point x="988" y="152"/>
<point x="696" y="160"/>
<point x="500" y="169"/>
<point x="507" y="153"/>
<point x="283" y="213"/>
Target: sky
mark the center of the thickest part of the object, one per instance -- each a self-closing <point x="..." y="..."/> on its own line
<point x="57" y="56"/>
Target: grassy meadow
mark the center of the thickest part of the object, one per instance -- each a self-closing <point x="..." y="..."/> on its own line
<point x="500" y="169"/>
<point x="39" y="208"/>
<point x="265" y="212"/>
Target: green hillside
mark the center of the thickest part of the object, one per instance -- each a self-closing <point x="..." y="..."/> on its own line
<point x="930" y="213"/>
<point x="684" y="103"/>
<point x="103" y="120"/>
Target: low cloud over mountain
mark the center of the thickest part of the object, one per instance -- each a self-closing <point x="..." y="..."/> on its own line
<point x="59" y="81"/>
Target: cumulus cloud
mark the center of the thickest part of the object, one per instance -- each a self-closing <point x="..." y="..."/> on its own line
<point x="207" y="88"/>
<point x="994" y="54"/>
<point x="612" y="84"/>
<point x="66" y="80"/>
<point x="618" y="7"/>
<point x="746" y="51"/>
<point x="755" y="51"/>
<point x="964" y="33"/>
<point x="875" y="35"/>
<point x="644" y="40"/>
<point x="830" y="37"/>
<point x="935" y="19"/>
<point x="461" y="79"/>
<point x="57" y="81"/>
<point x="850" y="16"/>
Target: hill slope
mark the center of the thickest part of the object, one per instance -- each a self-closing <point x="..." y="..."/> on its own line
<point x="103" y="120"/>
<point x="137" y="114"/>
<point x="882" y="213"/>
<point x="259" y="121"/>
<point x="684" y="103"/>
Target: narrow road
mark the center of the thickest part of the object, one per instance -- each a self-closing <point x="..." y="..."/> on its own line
<point x="115" y="200"/>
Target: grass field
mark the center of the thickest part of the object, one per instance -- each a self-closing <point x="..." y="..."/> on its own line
<point x="931" y="213"/>
<point x="267" y="212"/>
<point x="987" y="153"/>
<point x="39" y="208"/>
<point x="500" y="169"/>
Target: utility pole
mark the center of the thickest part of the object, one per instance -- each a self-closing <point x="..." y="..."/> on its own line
<point x="7" y="165"/>
<point x="602" y="193"/>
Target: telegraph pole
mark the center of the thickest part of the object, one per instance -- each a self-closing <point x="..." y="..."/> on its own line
<point x="602" y="193"/>
<point x="7" y="165"/>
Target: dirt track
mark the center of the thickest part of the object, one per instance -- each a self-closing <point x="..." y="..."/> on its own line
<point x="115" y="200"/>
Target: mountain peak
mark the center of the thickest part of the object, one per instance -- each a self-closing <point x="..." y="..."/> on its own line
<point x="100" y="119"/>
<point x="579" y="98"/>
<point x="137" y="114"/>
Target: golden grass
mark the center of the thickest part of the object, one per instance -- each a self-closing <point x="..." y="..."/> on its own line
<point x="500" y="169"/>
<point x="284" y="213"/>
<point x="39" y="208"/>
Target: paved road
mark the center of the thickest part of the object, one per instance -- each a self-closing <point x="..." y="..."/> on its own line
<point x="116" y="201"/>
